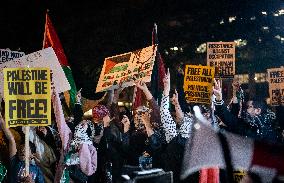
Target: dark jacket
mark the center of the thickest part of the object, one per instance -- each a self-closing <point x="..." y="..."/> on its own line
<point x="172" y="159"/>
<point x="260" y="127"/>
<point x="112" y="149"/>
<point x="111" y="154"/>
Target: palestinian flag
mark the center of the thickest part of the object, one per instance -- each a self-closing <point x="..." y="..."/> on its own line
<point x="51" y="40"/>
<point x="158" y="73"/>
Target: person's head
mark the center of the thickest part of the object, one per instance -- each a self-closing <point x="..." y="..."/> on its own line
<point x="99" y="112"/>
<point x="42" y="130"/>
<point x="236" y="83"/>
<point x="140" y="111"/>
<point x="206" y="112"/>
<point x="123" y="110"/>
<point x="255" y="107"/>
<point x="21" y="151"/>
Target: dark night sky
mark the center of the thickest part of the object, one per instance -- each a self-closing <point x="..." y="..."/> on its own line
<point x="92" y="30"/>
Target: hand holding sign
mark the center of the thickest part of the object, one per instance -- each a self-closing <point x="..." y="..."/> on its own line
<point x="141" y="85"/>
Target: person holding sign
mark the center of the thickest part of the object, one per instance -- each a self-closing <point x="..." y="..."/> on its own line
<point x="148" y="137"/>
<point x="17" y="169"/>
<point x="258" y="122"/>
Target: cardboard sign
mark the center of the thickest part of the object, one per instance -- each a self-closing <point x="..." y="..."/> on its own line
<point x="198" y="82"/>
<point x="27" y="96"/>
<point x="42" y="58"/>
<point x="122" y="70"/>
<point x="221" y="55"/>
<point x="276" y="85"/>
<point x="7" y="55"/>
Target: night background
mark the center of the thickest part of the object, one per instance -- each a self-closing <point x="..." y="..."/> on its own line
<point x="92" y="30"/>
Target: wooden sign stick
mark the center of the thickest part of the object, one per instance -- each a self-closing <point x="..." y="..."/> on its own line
<point x="27" y="150"/>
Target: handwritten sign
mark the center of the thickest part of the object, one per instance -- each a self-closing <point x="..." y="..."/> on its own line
<point x="27" y="94"/>
<point x="7" y="55"/>
<point x="221" y="55"/>
<point x="43" y="58"/>
<point x="198" y="81"/>
<point x="276" y="85"/>
<point x="122" y="70"/>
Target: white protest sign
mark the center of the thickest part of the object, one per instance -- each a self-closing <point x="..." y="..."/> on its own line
<point x="42" y="58"/>
<point x="122" y="70"/>
<point x="7" y="55"/>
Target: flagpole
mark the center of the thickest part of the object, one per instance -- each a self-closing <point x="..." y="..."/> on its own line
<point x="45" y="28"/>
<point x="134" y="98"/>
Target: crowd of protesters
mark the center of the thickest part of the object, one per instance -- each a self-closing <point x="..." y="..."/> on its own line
<point x="98" y="148"/>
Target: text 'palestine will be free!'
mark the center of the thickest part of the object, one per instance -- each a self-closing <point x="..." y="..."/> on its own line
<point x="27" y="96"/>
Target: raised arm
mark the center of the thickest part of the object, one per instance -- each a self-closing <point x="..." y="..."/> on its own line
<point x="10" y="137"/>
<point x="155" y="114"/>
<point x="63" y="129"/>
<point x="114" y="109"/>
<point x="221" y="111"/>
<point x="175" y="102"/>
<point x="168" y="123"/>
<point x="142" y="86"/>
<point x="78" y="111"/>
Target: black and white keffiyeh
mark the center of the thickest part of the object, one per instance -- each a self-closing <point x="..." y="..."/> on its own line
<point x="81" y="136"/>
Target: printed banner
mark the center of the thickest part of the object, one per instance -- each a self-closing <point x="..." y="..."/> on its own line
<point x="221" y="55"/>
<point x="275" y="78"/>
<point x="28" y="98"/>
<point x="198" y="82"/>
<point x="7" y="55"/>
<point x="42" y="58"/>
<point x="238" y="175"/>
<point x="122" y="70"/>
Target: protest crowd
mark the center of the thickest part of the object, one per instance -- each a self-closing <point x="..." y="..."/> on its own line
<point x="181" y="136"/>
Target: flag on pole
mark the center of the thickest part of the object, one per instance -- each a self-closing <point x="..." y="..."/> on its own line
<point x="51" y="40"/>
<point x="159" y="71"/>
<point x="157" y="76"/>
